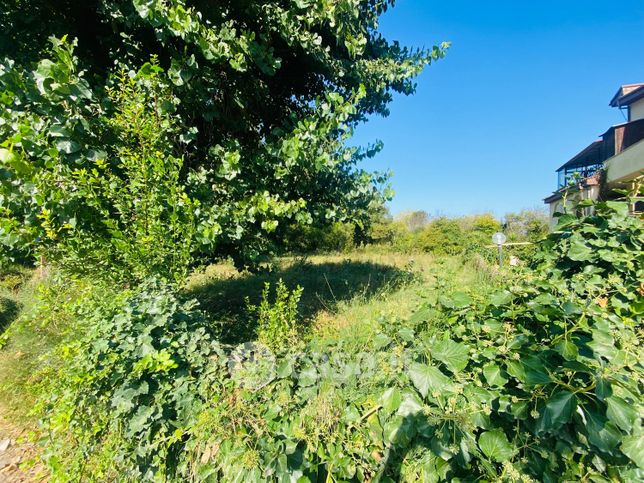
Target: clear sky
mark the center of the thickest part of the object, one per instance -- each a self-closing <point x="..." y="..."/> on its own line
<point x="524" y="87"/>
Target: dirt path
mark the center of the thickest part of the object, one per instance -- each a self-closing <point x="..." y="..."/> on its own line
<point x="19" y="458"/>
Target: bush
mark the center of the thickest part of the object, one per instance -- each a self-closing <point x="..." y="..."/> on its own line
<point x="110" y="199"/>
<point x="337" y="237"/>
<point x="531" y="225"/>
<point x="130" y="389"/>
<point x="277" y="322"/>
<point x="441" y="236"/>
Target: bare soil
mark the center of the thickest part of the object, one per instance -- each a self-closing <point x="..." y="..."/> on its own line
<point x="19" y="458"/>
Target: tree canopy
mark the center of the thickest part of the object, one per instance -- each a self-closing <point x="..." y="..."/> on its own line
<point x="225" y="121"/>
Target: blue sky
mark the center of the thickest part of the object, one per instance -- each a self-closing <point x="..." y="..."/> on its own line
<point x="523" y="88"/>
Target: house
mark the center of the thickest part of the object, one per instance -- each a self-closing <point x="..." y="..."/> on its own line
<point x="614" y="161"/>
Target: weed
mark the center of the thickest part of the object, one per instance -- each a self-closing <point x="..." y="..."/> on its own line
<point x="277" y="321"/>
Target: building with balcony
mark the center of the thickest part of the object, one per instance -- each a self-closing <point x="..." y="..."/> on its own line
<point x="613" y="161"/>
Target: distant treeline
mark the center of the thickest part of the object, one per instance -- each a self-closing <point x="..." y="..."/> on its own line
<point x="417" y="231"/>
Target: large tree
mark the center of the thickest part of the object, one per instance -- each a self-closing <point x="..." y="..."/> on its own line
<point x="244" y="106"/>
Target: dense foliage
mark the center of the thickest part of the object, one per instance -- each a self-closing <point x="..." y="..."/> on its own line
<point x="241" y="108"/>
<point x="130" y="388"/>
<point x="539" y="381"/>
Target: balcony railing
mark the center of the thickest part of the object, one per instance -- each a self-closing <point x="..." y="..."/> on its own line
<point x="566" y="176"/>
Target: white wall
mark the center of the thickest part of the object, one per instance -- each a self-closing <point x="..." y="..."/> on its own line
<point x="626" y="165"/>
<point x="637" y="110"/>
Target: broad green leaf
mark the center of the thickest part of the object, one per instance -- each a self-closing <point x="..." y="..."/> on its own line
<point x="461" y="299"/>
<point x="399" y="431"/>
<point x="453" y="354"/>
<point x="406" y="334"/>
<point x="618" y="207"/>
<point x="568" y="350"/>
<point x="411" y="403"/>
<point x="495" y="445"/>
<point x="603" y="343"/>
<point x="579" y="251"/>
<point x="5" y="155"/>
<point x="457" y="300"/>
<point x="442" y="448"/>
<point x="308" y="376"/>
<point x="565" y="220"/>
<point x="285" y="369"/>
<point x="501" y="298"/>
<point x="601" y="432"/>
<point x="67" y="146"/>
<point x="381" y="341"/>
<point x="139" y="420"/>
<point x="493" y="375"/>
<point x="423" y="314"/>
<point x="529" y="370"/>
<point x="633" y="447"/>
<point x="391" y="399"/>
<point x="428" y="379"/>
<point x="558" y="411"/>
<point x="621" y="413"/>
<point x="603" y="388"/>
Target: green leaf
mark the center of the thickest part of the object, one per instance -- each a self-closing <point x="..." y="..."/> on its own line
<point x="139" y="421"/>
<point x="601" y="432"/>
<point x="428" y="379"/>
<point x="558" y="411"/>
<point x="568" y="350"/>
<point x="579" y="251"/>
<point x="406" y="334"/>
<point x="308" y="376"/>
<point x="495" y="445"/>
<point x="603" y="388"/>
<point x="633" y="447"/>
<point x="457" y="300"/>
<point x="380" y="341"/>
<point x="453" y="354"/>
<point x="603" y="343"/>
<point x="399" y="431"/>
<point x="529" y="370"/>
<point x="421" y="315"/>
<point x="411" y="403"/>
<point x="391" y="399"/>
<point x="461" y="299"/>
<point x="501" y="298"/>
<point x="285" y="369"/>
<point x="493" y="375"/>
<point x="621" y="413"/>
<point x="67" y="146"/>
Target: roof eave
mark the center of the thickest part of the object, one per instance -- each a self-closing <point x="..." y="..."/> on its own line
<point x="622" y="100"/>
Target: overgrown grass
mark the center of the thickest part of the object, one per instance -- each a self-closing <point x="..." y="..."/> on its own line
<point x="331" y="283"/>
<point x="41" y="318"/>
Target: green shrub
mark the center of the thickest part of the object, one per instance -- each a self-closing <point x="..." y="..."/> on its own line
<point x="277" y="321"/>
<point x="443" y="236"/>
<point x="110" y="199"/>
<point x="337" y="237"/>
<point x="130" y="388"/>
